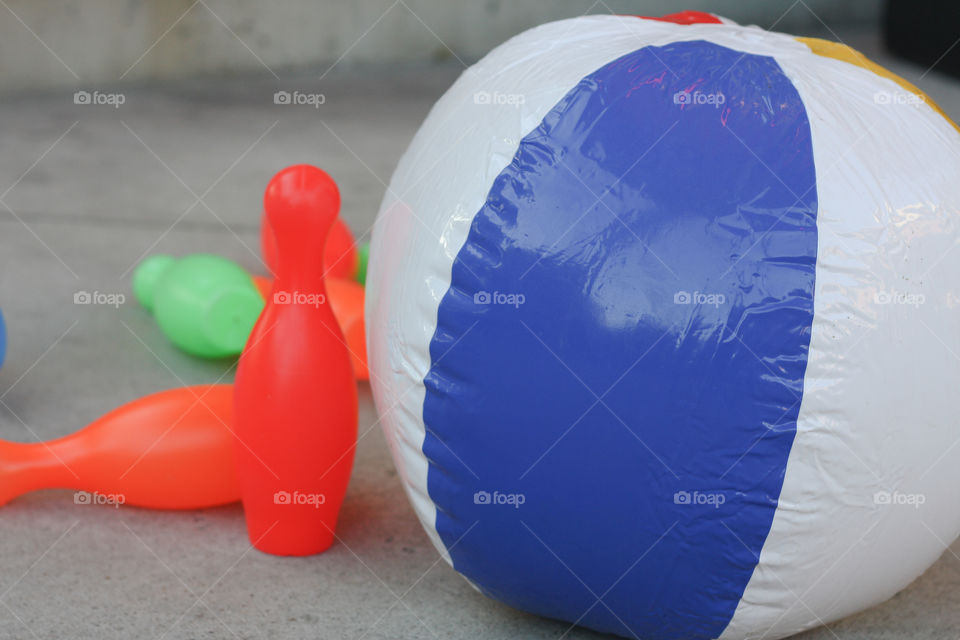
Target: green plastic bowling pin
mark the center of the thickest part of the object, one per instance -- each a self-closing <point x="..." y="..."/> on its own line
<point x="205" y="304"/>
<point x="363" y="258"/>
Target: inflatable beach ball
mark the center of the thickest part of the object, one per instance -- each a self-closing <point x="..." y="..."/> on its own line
<point x="664" y="327"/>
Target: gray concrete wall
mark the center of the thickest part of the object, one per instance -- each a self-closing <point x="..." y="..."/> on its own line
<point x="62" y="43"/>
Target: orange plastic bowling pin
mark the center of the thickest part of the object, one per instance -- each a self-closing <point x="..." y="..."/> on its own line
<point x="169" y="450"/>
<point x="295" y="398"/>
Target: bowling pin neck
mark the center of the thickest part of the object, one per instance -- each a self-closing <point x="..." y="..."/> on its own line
<point x="303" y="230"/>
<point x="146" y="276"/>
<point x="26" y="467"/>
<point x="303" y="264"/>
<point x="300" y="204"/>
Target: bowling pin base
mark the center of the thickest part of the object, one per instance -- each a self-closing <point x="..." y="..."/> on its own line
<point x="283" y="527"/>
<point x="308" y="548"/>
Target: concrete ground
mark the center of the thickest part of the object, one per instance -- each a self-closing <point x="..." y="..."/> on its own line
<point x="180" y="169"/>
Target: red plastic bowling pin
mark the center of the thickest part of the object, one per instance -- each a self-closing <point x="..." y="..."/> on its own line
<point x="346" y="301"/>
<point x="295" y="398"/>
<point x="340" y="257"/>
<point x="169" y="450"/>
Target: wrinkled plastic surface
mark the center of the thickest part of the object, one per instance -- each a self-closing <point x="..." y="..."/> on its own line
<point x="688" y="385"/>
<point x="169" y="450"/>
<point x="884" y="298"/>
<point x="850" y="530"/>
<point x="295" y="395"/>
